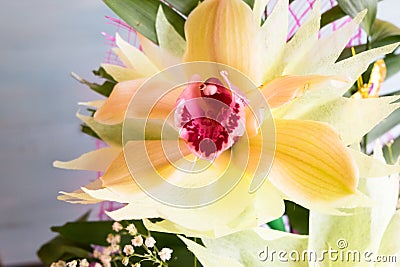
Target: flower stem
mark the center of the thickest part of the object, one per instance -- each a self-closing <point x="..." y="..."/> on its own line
<point x="195" y="259"/>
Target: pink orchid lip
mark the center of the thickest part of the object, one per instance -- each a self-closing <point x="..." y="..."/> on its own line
<point x="210" y="117"/>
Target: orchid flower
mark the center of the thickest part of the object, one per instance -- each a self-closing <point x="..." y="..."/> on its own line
<point x="367" y="237"/>
<point x="302" y="84"/>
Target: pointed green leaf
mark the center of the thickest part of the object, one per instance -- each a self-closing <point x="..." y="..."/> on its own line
<point x="331" y="15"/>
<point x="141" y="15"/>
<point x="183" y="6"/>
<point x="384" y="32"/>
<point x="353" y="7"/>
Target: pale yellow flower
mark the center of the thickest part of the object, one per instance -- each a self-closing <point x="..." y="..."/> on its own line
<point x="299" y="79"/>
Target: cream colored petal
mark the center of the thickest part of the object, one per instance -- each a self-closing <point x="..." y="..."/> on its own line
<point x="327" y="50"/>
<point x="97" y="160"/>
<point x="301" y="43"/>
<point x="93" y="104"/>
<point x="353" y="67"/>
<point x="273" y="34"/>
<point x="139" y="61"/>
<point x="123" y="57"/>
<point x="370" y="167"/>
<point x="224" y="31"/>
<point x="79" y="196"/>
<point x="259" y="9"/>
<point x="111" y="134"/>
<point x="364" y="228"/>
<point x="167" y="36"/>
<point x="311" y="100"/>
<point x="352" y="118"/>
<point x="250" y="247"/>
<point x="390" y="245"/>
<point x="159" y="56"/>
<point x="121" y="74"/>
<point x="311" y="164"/>
<point x="113" y="110"/>
<point x="207" y="257"/>
<point x="284" y="89"/>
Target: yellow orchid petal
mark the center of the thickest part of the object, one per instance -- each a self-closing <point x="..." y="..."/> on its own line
<point x="223" y="31"/>
<point x="156" y="99"/>
<point x="273" y="42"/>
<point x="113" y="110"/>
<point x="137" y="59"/>
<point x="121" y="74"/>
<point x="158" y="55"/>
<point x="311" y="164"/>
<point x="283" y="89"/>
<point x="97" y="160"/>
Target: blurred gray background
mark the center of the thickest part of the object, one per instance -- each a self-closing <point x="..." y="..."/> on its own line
<point x="41" y="42"/>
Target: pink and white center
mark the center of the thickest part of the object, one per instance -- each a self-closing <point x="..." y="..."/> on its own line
<point x="210" y="117"/>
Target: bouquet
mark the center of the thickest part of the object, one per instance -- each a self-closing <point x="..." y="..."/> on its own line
<point x="230" y="136"/>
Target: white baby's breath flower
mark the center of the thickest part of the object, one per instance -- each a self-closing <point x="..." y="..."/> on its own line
<point x="136" y="264"/>
<point x="131" y="229"/>
<point x="137" y="241"/>
<point x="165" y="254"/>
<point x="83" y="263"/>
<point x="73" y="263"/>
<point x="128" y="250"/>
<point x="117" y="227"/>
<point x="58" y="264"/>
<point x="125" y="261"/>
<point x="113" y="239"/>
<point x="150" y="242"/>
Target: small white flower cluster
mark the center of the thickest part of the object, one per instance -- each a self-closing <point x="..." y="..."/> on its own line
<point x="74" y="263"/>
<point x="115" y="253"/>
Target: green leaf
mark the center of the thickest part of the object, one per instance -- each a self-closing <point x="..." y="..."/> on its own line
<point x="392" y="62"/>
<point x="183" y="6"/>
<point x="111" y="134"/>
<point x="95" y="233"/>
<point x="175" y="19"/>
<point x="383" y="31"/>
<point x="394" y="150"/>
<point x="353" y="7"/>
<point x="141" y="15"/>
<point x="331" y="15"/>
<point x="60" y="248"/>
<point x="250" y="3"/>
<point x="104" y="89"/>
<point x="383" y="127"/>
<point x="298" y="217"/>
